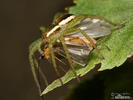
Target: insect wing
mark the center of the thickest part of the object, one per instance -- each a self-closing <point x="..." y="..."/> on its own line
<point x="95" y="28"/>
<point x="78" y="53"/>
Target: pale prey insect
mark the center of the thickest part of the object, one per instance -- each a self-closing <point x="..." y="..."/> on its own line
<point x="73" y="37"/>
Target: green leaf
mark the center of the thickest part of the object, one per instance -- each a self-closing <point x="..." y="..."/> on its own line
<point x="120" y="41"/>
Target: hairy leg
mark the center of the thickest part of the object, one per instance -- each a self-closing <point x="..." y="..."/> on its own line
<point x="31" y="59"/>
<point x="68" y="57"/>
<point x="33" y="62"/>
<point x="91" y="41"/>
<point x="102" y="18"/>
<point x="40" y="71"/>
<point x="54" y="63"/>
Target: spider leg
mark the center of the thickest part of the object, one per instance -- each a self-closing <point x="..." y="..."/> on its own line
<point x="91" y="41"/>
<point x="54" y="63"/>
<point x="102" y="18"/>
<point x="33" y="62"/>
<point x="118" y="26"/>
<point x="38" y="74"/>
<point x="62" y="69"/>
<point x="62" y="63"/>
<point x="31" y="59"/>
<point x="68" y="56"/>
<point x="40" y="71"/>
<point x="59" y="66"/>
<point x="59" y="60"/>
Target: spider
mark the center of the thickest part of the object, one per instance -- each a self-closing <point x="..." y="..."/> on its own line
<point x="72" y="37"/>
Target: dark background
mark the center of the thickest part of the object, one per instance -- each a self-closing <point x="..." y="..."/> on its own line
<point x="19" y="27"/>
